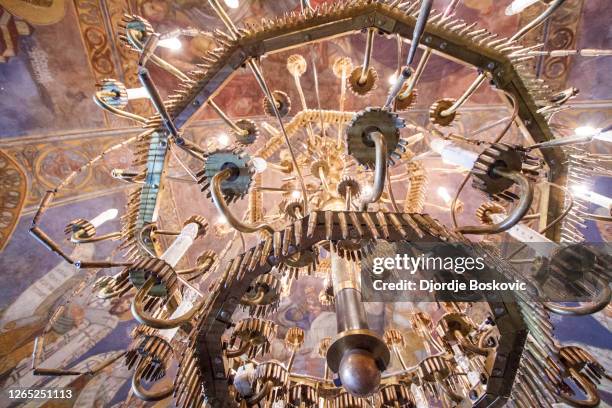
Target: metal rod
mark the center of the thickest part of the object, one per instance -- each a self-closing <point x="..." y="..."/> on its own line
<point x="234" y="33"/>
<point x="367" y="56"/>
<point x="262" y="83"/>
<point x="405" y="73"/>
<point x="519" y="34"/>
<point x="224" y="210"/>
<point x="538" y="20"/>
<point x="157" y="101"/>
<point x="419" y="28"/>
<point x="226" y="119"/>
<point x="426" y="55"/>
<point x="466" y="95"/>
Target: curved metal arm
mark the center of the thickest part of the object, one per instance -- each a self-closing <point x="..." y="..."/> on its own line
<point x="76" y="240"/>
<point x="160" y="62"/>
<point x="515" y="216"/>
<point x="221" y="205"/>
<point x="239" y="351"/>
<point x="466" y="95"/>
<point x="598" y="304"/>
<point x="380" y="171"/>
<point x="147" y="395"/>
<point x="592" y="398"/>
<point x="265" y="390"/>
<point x="452" y="394"/>
<point x="153" y="322"/>
<point x="254" y="300"/>
<point x="119" y="112"/>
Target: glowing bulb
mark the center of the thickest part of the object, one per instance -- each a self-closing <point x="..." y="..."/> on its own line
<point x="586" y="131"/>
<point x="392" y="78"/>
<point x="232" y="3"/>
<point x="172" y="43"/>
<point x="221" y="220"/>
<point x="259" y="164"/>
<point x="104" y="216"/>
<point x="580" y="189"/>
<point x="604" y="136"/>
<point x="444" y="195"/>
<point x="519" y="5"/>
<point x="223" y="139"/>
<point x="296" y="194"/>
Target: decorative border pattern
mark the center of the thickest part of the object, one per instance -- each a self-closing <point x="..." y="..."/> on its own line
<point x="559" y="33"/>
<point x="13" y="187"/>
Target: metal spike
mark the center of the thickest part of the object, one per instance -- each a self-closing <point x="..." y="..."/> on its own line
<point x="277" y="243"/>
<point x="382" y="221"/>
<point x="312" y="223"/>
<point x="397" y="224"/>
<point x="413" y="225"/>
<point x="287" y="239"/>
<point x="370" y="223"/>
<point x="466" y="29"/>
<point x="267" y="247"/>
<point x="343" y="224"/>
<point x="356" y="223"/>
<point x="297" y="230"/>
<point x="246" y="260"/>
<point x="328" y="224"/>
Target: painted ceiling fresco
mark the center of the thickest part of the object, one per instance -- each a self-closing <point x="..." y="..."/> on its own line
<point x="52" y="52"/>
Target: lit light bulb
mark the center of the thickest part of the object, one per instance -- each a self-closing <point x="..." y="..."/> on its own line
<point x="104" y="216"/>
<point x="260" y="165"/>
<point x="223" y="139"/>
<point x="604" y="134"/>
<point x="172" y="43"/>
<point x="444" y="195"/>
<point x="519" y="5"/>
<point x="392" y="78"/>
<point x="137" y="93"/>
<point x="296" y="194"/>
<point x="586" y="131"/>
<point x="232" y="3"/>
<point x="579" y="189"/>
<point x="221" y="220"/>
<point x="583" y="192"/>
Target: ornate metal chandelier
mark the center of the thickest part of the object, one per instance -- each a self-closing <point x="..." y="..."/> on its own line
<point x="336" y="212"/>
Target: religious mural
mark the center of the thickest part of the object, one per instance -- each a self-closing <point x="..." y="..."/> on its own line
<point x="49" y="63"/>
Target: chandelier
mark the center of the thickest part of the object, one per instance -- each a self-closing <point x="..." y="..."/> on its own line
<point x="334" y="212"/>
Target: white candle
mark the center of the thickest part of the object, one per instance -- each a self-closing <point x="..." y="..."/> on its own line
<point x="181" y="244"/>
<point x="453" y="154"/>
<point x="104" y="216"/>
